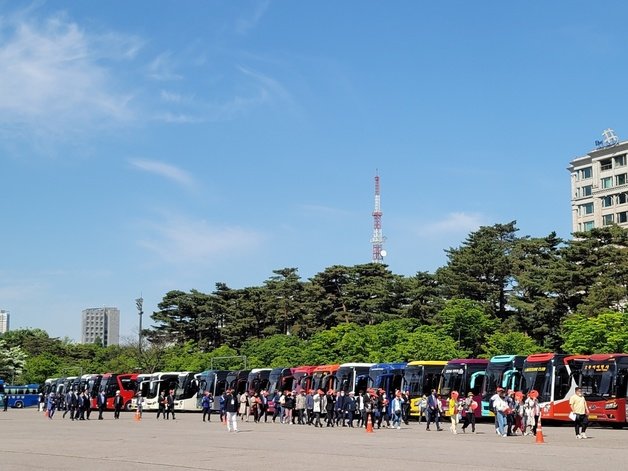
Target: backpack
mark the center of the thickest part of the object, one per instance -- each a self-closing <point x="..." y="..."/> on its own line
<point x="491" y="406"/>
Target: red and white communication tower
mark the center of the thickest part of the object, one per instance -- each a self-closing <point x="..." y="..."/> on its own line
<point x="378" y="239"/>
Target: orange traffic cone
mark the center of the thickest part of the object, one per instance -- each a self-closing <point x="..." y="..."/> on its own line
<point x="369" y="425"/>
<point x="539" y="433"/>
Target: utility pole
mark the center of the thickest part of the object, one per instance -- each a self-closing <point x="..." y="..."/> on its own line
<point x="139" y="303"/>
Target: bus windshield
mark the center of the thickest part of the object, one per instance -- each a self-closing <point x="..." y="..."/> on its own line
<point x="344" y="378"/>
<point x="493" y="380"/>
<point x="317" y="380"/>
<point x="453" y="380"/>
<point x="597" y="380"/>
<point x="537" y="376"/>
<point x="414" y="380"/>
<point x="187" y="386"/>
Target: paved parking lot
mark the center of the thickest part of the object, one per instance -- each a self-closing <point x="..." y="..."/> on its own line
<point x="29" y="441"/>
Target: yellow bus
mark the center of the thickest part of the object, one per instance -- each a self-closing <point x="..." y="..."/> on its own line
<point x="420" y="378"/>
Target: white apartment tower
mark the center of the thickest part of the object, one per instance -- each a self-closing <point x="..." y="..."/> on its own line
<point x="101" y="323"/>
<point x="4" y="321"/>
<point x="599" y="185"/>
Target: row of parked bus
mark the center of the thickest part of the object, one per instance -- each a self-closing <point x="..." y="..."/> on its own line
<point x="603" y="379"/>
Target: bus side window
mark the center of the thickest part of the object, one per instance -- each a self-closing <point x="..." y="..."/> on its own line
<point x="622" y="380"/>
<point x="562" y="383"/>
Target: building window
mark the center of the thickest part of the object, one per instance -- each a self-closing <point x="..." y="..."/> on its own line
<point x="606" y="164"/>
<point x="622" y="217"/>
<point x="620" y="179"/>
<point x="608" y="219"/>
<point x="585" y="173"/>
<point x="607" y="182"/>
<point x="620" y="161"/>
<point x="622" y="198"/>
<point x="586" y="209"/>
<point x="585" y="191"/>
<point x="587" y="226"/>
<point x="607" y="201"/>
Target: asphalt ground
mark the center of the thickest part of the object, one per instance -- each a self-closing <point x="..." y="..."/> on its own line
<point x="30" y="441"/>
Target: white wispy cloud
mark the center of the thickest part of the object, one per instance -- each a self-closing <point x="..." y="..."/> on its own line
<point x="54" y="78"/>
<point x="168" y="171"/>
<point x="453" y="223"/>
<point x="178" y="239"/>
<point x="162" y="68"/>
<point x="270" y="87"/>
<point x="246" y="23"/>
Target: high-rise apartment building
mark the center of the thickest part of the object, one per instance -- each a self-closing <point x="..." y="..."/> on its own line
<point x="101" y="323"/>
<point x="599" y="186"/>
<point x="4" y="321"/>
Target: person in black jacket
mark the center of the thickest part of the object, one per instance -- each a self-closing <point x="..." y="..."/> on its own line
<point x="339" y="408"/>
<point x="170" y="403"/>
<point x="231" y="408"/>
<point x="350" y="407"/>
<point x="118" y="402"/>
<point x="329" y="408"/>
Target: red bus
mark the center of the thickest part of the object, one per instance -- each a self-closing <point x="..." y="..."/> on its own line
<point x="324" y="377"/>
<point x="125" y="383"/>
<point x="555" y="377"/>
<point x="463" y="375"/>
<point x="302" y="378"/>
<point x="604" y="381"/>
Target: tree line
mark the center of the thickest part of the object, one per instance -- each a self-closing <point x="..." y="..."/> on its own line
<point x="498" y="293"/>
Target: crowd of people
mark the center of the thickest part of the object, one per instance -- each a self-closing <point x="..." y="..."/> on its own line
<point x="515" y="413"/>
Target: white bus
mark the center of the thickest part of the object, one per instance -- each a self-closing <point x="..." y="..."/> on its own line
<point x="142" y="388"/>
<point x="160" y="382"/>
<point x="353" y="377"/>
<point x="186" y="395"/>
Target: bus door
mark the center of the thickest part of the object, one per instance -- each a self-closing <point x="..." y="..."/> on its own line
<point x="361" y="383"/>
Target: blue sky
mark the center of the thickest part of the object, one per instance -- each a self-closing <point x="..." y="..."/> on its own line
<point x="148" y="146"/>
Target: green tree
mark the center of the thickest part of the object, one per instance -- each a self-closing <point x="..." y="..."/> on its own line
<point x="509" y="343"/>
<point x="605" y="333"/>
<point x="428" y="343"/>
<point x="537" y="300"/>
<point x="12" y="361"/>
<point x="466" y="321"/>
<point x="481" y="269"/>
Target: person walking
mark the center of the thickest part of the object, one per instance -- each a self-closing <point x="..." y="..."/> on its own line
<point x="118" y="402"/>
<point x="222" y="401"/>
<point x="263" y="406"/>
<point x="433" y="411"/>
<point x="277" y="412"/>
<point x="339" y="409"/>
<point x="255" y="403"/>
<point x="350" y="406"/>
<point x="231" y="409"/>
<point x="299" y="407"/>
<point x="579" y="407"/>
<point x="161" y="405"/>
<point x="170" y="403"/>
<point x="405" y="413"/>
<point x="309" y="406"/>
<point x="139" y="401"/>
<point x="205" y="405"/>
<point x="51" y="405"/>
<point x="501" y="411"/>
<point x="452" y="411"/>
<point x="288" y="408"/>
<point x="397" y="410"/>
<point x="316" y="409"/>
<point x="329" y="407"/>
<point x="468" y="413"/>
<point x="532" y="411"/>
<point x="101" y="402"/>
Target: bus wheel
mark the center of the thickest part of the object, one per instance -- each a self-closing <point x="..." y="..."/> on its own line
<point x="617" y="426"/>
<point x="127" y="406"/>
<point x="18" y="404"/>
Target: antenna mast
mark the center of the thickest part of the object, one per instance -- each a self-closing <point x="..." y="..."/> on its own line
<point x="378" y="239"/>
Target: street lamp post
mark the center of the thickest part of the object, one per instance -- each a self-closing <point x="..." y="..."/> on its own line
<point x="139" y="303"/>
